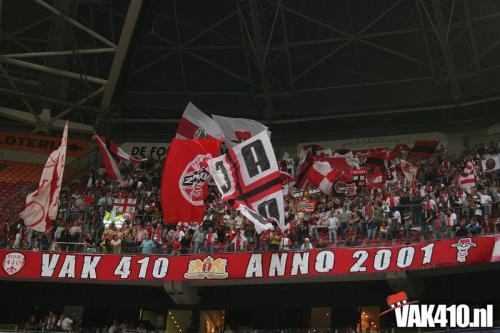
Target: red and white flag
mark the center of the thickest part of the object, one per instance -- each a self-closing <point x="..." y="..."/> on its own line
<point x="237" y="130"/>
<point x="306" y="160"/>
<point x="374" y="180"/>
<point x="184" y="182"/>
<point x="108" y="159"/>
<point x="194" y="124"/>
<point x="467" y="178"/>
<point x="111" y="156"/>
<point x="409" y="170"/>
<point x="43" y="204"/>
<point x="322" y="175"/>
<point x="326" y="171"/>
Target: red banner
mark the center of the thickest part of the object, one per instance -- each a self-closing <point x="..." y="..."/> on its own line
<point x="245" y="265"/>
<point x="41" y="144"/>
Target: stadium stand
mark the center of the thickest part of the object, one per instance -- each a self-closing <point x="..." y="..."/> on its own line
<point x="382" y="117"/>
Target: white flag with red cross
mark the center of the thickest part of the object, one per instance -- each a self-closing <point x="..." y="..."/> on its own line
<point x="124" y="206"/>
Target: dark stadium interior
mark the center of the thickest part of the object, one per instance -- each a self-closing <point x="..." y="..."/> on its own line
<point x="313" y="72"/>
<point x="331" y="66"/>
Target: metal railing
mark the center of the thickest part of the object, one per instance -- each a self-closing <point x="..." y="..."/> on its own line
<point x="81" y="247"/>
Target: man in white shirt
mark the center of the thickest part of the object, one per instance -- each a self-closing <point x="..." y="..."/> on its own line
<point x="451" y="222"/>
<point x="286" y="242"/>
<point x="486" y="201"/>
<point x="306" y="245"/>
<point x="397" y="215"/>
<point x="395" y="223"/>
<point x="333" y="223"/>
<point x="65" y="323"/>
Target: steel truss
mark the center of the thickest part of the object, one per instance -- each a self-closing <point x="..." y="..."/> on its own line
<point x="267" y="57"/>
<point x="91" y="88"/>
<point x="277" y="69"/>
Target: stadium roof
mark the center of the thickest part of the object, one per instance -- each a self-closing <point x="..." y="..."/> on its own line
<point x="309" y="69"/>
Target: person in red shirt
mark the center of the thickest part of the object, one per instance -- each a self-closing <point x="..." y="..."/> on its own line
<point x="89" y="200"/>
<point x="176" y="246"/>
<point x="149" y="229"/>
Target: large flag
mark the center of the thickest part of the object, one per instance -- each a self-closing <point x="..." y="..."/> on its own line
<point x="248" y="174"/>
<point x="423" y="149"/>
<point x="194" y="124"/>
<point x="409" y="170"/>
<point x="43" y="204"/>
<point x="184" y="182"/>
<point x="237" y="130"/>
<point x="491" y="163"/>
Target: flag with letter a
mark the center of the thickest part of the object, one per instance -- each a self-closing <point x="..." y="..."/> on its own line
<point x="184" y="182"/>
<point x="43" y="204"/>
<point x="194" y="124"/>
<point x="237" y="130"/>
<point x="248" y="173"/>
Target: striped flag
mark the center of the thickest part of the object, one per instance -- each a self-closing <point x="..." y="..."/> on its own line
<point x="467" y="178"/>
<point x="110" y="164"/>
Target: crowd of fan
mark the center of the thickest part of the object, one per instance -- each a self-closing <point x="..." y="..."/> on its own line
<point x="434" y="208"/>
<point x="49" y="322"/>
